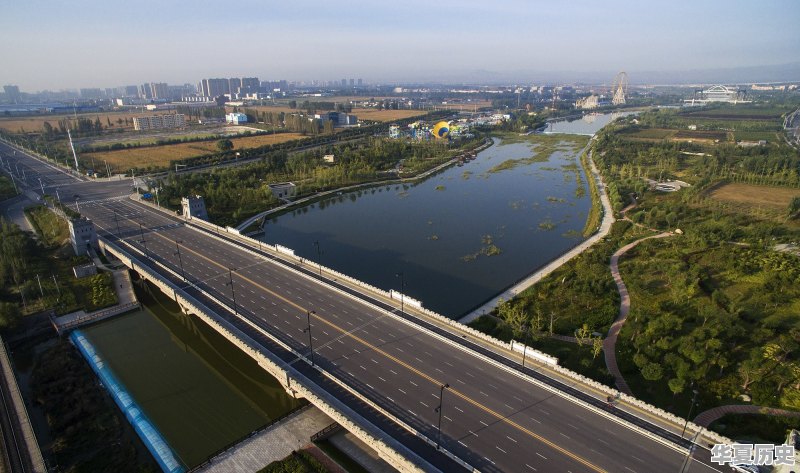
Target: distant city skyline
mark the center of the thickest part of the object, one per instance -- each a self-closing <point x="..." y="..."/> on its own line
<point x="50" y="45"/>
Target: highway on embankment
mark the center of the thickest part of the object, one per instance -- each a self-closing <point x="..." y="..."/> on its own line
<point x="492" y="416"/>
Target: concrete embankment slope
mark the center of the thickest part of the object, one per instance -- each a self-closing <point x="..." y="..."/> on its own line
<point x="513" y="291"/>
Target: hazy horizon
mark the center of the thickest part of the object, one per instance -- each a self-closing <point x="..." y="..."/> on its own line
<point x="102" y="44"/>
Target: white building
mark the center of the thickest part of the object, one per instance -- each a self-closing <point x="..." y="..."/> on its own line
<point x="172" y="120"/>
<point x="236" y="118"/>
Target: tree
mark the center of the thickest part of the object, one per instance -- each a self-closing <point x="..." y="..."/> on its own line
<point x="225" y="145"/>
<point x="794" y="207"/>
<point x="9" y="314"/>
<point x="652" y="372"/>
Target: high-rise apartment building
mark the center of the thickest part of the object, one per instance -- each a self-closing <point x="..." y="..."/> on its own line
<point x="159" y="90"/>
<point x="214" y="87"/>
<point x="12" y="92"/>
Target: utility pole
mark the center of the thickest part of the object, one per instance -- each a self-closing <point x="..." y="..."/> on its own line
<point x="108" y="169"/>
<point x="72" y="147"/>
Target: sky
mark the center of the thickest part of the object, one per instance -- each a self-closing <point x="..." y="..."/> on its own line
<point x="106" y="43"/>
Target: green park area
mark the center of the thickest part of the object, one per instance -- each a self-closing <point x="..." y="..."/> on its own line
<point x="715" y="306"/>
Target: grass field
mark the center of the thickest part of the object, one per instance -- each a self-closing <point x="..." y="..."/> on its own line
<point x="160" y="156"/>
<point x="649" y="134"/>
<point x="686" y="135"/>
<point x="739" y="113"/>
<point x="755" y="196"/>
<point x="770" y="136"/>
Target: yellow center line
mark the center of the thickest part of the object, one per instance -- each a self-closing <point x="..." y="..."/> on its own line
<point x="425" y="376"/>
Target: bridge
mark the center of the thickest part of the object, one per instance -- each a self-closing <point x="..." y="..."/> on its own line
<point x="426" y="394"/>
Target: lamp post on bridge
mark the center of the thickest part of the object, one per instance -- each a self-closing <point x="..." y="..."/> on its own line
<point x="319" y="256"/>
<point x="180" y="260"/>
<point x="233" y="293"/>
<point x="691" y="406"/>
<point x="439" y="410"/>
<point x="143" y="241"/>
<point x="308" y="329"/>
<point x="402" y="290"/>
<point x="116" y="220"/>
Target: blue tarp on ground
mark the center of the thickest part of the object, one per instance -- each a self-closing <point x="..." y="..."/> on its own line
<point x="146" y="430"/>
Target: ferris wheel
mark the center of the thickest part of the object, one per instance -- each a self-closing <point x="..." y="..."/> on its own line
<point x="620" y="89"/>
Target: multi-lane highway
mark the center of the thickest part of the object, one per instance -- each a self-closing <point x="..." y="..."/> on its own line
<point x="492" y="417"/>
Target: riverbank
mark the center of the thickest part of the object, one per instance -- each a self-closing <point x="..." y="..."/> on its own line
<point x="366" y="185"/>
<point x="604" y="228"/>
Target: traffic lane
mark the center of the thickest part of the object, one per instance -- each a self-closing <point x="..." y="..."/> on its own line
<point x="409" y="409"/>
<point x="46" y="171"/>
<point x="355" y="365"/>
<point x="412" y="406"/>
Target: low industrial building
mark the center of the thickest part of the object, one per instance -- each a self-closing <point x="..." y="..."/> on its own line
<point x="283" y="190"/>
<point x="236" y="118"/>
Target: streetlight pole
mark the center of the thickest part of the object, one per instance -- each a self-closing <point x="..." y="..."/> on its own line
<point x="319" y="256"/>
<point x="180" y="260"/>
<point x="694" y="397"/>
<point x="233" y="293"/>
<point x="143" y="241"/>
<point x="310" y="342"/>
<point x="439" y="410"/>
<point x="525" y="345"/>
<point x="402" y="289"/>
<point x="116" y="220"/>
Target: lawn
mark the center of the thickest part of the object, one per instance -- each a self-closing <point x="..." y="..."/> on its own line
<point x="692" y="135"/>
<point x="649" y="134"/>
<point x="755" y="196"/>
<point x="161" y="156"/>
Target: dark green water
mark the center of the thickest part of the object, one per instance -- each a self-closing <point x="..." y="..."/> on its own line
<point x="443" y="233"/>
<point x="200" y="391"/>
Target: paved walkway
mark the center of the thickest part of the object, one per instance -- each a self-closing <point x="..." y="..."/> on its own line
<point x="360" y="452"/>
<point x="605" y="227"/>
<point x="705" y="418"/>
<point x="609" y="343"/>
<point x="274" y="443"/>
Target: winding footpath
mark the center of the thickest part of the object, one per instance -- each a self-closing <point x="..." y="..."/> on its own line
<point x="705" y="418"/>
<point x="609" y="343"/>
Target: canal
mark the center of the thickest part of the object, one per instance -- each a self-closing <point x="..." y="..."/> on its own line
<point x="200" y="391"/>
